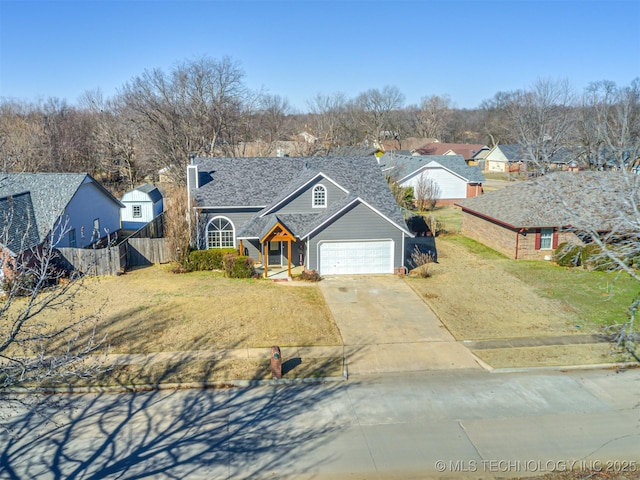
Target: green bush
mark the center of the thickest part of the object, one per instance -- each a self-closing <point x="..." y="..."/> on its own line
<point x="594" y="259"/>
<point x="211" y="259"/>
<point x="238" y="266"/>
<point x="568" y="255"/>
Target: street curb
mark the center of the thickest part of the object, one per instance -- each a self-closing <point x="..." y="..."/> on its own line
<point x="180" y="386"/>
<point x="558" y="368"/>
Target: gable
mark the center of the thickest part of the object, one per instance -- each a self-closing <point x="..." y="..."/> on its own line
<point x="268" y="182"/>
<point x="301" y="200"/>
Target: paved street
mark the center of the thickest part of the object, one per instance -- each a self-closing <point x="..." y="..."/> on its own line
<point x="436" y="424"/>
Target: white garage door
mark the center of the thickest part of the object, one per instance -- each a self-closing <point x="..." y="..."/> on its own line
<point x="338" y="258"/>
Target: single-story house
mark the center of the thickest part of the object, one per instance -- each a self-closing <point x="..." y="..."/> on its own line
<point x="467" y="150"/>
<point x="454" y="177"/>
<point x="65" y="209"/>
<point x="528" y="220"/>
<point x="335" y="215"/>
<point x="501" y="158"/>
<point x="141" y="205"/>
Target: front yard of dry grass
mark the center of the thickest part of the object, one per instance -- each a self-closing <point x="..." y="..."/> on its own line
<point x="153" y="310"/>
<point x="478" y="294"/>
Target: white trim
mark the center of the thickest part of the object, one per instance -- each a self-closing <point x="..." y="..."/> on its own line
<point x="367" y="240"/>
<point x="339" y="212"/>
<point x="259" y="207"/>
<point x="313" y="196"/>
<point x="300" y="188"/>
<point x="206" y="232"/>
<point x="423" y="169"/>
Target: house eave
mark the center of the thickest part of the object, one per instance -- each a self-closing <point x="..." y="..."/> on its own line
<point x="348" y="205"/>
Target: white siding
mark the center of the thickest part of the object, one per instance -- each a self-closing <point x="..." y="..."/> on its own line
<point x="451" y="185"/>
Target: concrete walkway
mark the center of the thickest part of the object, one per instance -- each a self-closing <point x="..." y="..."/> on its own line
<point x="386" y="327"/>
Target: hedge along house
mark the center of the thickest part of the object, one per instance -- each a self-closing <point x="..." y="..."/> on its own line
<point x="335" y="215"/>
<point x="528" y="220"/>
<point x="141" y="205"/>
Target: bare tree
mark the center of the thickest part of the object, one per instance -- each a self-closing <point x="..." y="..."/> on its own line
<point x="433" y="116"/>
<point x="115" y="140"/>
<point x="179" y="224"/>
<point x="35" y="353"/>
<point x="543" y="119"/>
<point x="196" y="108"/>
<point x="374" y="111"/>
<point x="426" y="192"/>
<point x="329" y="119"/>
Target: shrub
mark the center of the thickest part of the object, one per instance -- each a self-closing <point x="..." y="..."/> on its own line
<point x="421" y="260"/>
<point x="568" y="255"/>
<point x="594" y="259"/>
<point x="310" y="276"/>
<point x="238" y="266"/>
<point x="211" y="259"/>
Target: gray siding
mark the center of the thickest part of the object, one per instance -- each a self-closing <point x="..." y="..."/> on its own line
<point x="237" y="217"/>
<point x="303" y="202"/>
<point x="359" y="223"/>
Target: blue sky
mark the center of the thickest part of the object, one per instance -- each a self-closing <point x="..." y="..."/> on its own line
<point x="468" y="50"/>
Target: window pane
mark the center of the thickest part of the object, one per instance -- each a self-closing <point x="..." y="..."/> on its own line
<point x="546" y="236"/>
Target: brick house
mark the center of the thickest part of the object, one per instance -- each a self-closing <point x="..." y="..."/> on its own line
<point x="528" y="220"/>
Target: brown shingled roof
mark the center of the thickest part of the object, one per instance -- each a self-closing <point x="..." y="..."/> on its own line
<point x="598" y="201"/>
<point x="467" y="150"/>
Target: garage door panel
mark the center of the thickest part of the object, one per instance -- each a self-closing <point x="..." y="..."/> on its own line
<point x="338" y="258"/>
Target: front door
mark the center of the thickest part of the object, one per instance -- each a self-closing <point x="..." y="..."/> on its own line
<point x="275" y="253"/>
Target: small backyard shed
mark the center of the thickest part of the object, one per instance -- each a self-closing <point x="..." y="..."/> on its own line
<point x="142" y="204"/>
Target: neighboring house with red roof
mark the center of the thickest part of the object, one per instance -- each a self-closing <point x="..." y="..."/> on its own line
<point x="528" y="220"/>
<point x="467" y="150"/>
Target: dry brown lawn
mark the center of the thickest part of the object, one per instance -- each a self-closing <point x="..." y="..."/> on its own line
<point x="476" y="299"/>
<point x="151" y="310"/>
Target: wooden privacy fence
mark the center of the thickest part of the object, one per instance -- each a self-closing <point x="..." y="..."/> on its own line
<point x="96" y="261"/>
<point x="144" y="247"/>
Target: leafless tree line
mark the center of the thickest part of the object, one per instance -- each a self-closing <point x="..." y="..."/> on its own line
<point x="203" y="107"/>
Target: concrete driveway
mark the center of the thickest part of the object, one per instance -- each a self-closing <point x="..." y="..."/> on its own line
<point x="386" y="327"/>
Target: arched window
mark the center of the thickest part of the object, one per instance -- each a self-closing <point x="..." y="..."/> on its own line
<point x="319" y="196"/>
<point x="220" y="233"/>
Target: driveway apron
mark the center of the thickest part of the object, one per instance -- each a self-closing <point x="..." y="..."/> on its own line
<point x="386" y="327"/>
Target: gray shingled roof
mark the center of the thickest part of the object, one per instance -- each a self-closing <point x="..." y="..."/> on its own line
<point x="585" y="200"/>
<point x="50" y="193"/>
<point x="151" y="190"/>
<point x="233" y="182"/>
<point x="17" y="221"/>
<point x="406" y="165"/>
<point x="300" y="224"/>
<point x="513" y="152"/>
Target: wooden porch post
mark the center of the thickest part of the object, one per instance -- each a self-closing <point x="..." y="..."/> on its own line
<point x="289" y="257"/>
<point x="241" y="248"/>
<point x="265" y="261"/>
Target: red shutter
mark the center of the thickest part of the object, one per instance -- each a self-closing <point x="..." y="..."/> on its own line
<point x="538" y="240"/>
<point x="554" y="241"/>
